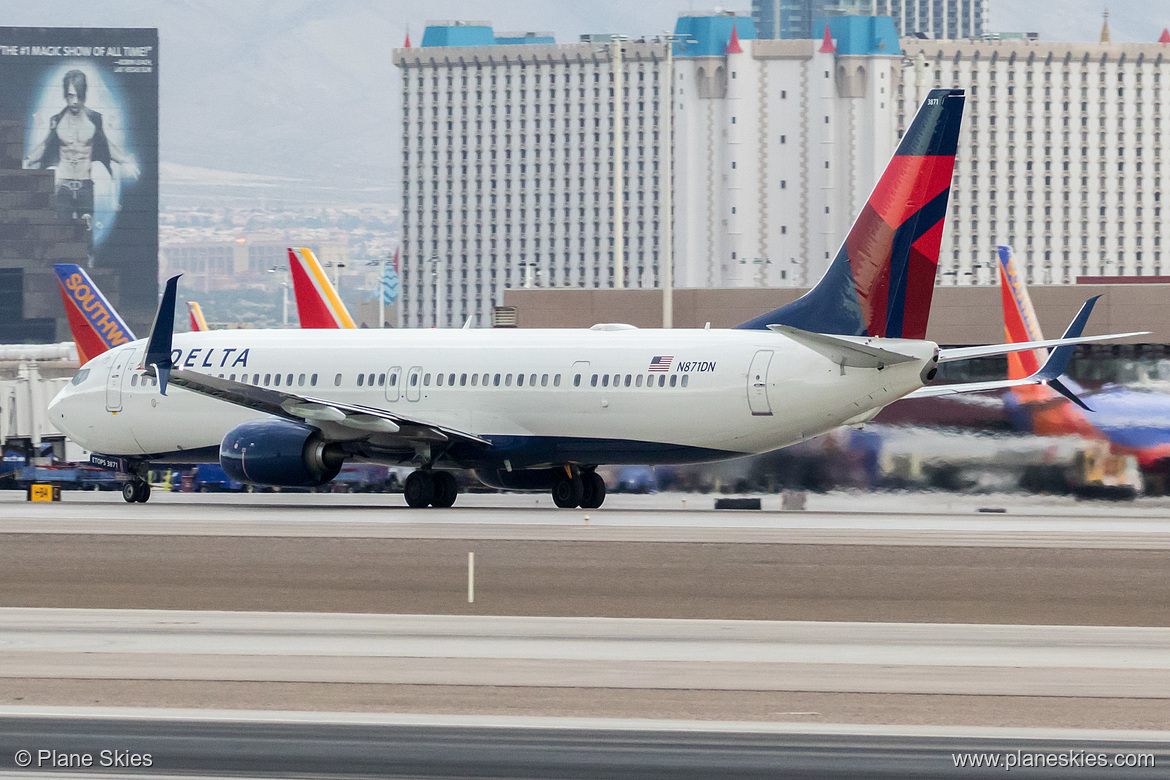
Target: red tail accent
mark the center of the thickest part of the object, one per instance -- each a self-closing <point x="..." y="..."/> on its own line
<point x="312" y="309"/>
<point x="89" y="343"/>
<point x="1165" y="36"/>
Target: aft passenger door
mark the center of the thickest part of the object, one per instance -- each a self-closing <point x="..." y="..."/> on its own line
<point x="757" y="388"/>
<point x="414" y="383"/>
<point x="393" y="383"/>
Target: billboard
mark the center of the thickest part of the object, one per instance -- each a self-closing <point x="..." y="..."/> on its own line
<point x="87" y="100"/>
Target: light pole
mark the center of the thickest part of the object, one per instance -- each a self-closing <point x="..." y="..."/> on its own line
<point x="618" y="68"/>
<point x="284" y="294"/>
<point x="668" y="207"/>
<point x="437" y="275"/>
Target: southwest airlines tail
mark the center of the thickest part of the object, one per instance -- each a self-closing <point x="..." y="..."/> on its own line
<point x="882" y="280"/>
<point x="1019" y="318"/>
<point x="1037" y="408"/>
<point x="96" y="327"/>
<point x="198" y="323"/>
<point x="318" y="304"/>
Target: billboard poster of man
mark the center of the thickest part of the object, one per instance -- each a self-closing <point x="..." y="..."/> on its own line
<point x="88" y="102"/>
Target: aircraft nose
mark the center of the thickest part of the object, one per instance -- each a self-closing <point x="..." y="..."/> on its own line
<point x="59" y="410"/>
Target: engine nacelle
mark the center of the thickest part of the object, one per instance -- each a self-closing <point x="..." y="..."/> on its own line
<point x="280" y="453"/>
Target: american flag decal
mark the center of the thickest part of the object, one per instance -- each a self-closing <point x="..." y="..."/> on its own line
<point x="661" y="363"/>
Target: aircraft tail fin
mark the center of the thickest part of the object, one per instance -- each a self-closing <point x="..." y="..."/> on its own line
<point x="882" y="279"/>
<point x="318" y="304"/>
<point x="93" y="321"/>
<point x="198" y="323"/>
<point x="1020" y="323"/>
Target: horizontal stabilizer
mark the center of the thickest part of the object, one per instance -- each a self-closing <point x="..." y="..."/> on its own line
<point x="1048" y="374"/>
<point x="991" y="350"/>
<point x="841" y="351"/>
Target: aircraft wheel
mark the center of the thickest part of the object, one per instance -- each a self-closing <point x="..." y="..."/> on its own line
<point x="143" y="493"/>
<point x="594" y="493"/>
<point x="567" y="492"/>
<point x="419" y="490"/>
<point x="446" y="491"/>
<point x="130" y="491"/>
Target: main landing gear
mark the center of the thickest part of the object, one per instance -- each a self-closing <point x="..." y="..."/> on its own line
<point x="584" y="489"/>
<point x="430" y="488"/>
<point x="136" y="491"/>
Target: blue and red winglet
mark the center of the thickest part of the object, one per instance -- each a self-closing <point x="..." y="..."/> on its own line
<point x="162" y="332"/>
<point x="95" y="325"/>
<point x="882" y="279"/>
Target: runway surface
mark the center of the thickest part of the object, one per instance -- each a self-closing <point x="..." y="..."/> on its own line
<point x="839" y="519"/>
<point x="1072" y="661"/>
<point x="265" y="745"/>
<point x="875" y="567"/>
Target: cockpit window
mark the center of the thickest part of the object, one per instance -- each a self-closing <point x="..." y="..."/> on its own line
<point x="82" y="375"/>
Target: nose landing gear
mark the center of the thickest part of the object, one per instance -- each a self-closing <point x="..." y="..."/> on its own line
<point x="136" y="491"/>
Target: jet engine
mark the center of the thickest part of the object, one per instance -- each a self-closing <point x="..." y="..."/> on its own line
<point x="281" y="453"/>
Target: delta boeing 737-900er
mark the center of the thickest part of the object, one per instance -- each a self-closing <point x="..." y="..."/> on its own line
<point x="541" y="409"/>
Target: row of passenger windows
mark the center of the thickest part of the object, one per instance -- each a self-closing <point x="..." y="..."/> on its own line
<point x="615" y="380"/>
<point x="449" y="380"/>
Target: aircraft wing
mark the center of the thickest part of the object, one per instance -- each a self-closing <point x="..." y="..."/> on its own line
<point x="339" y="421"/>
<point x="343" y="421"/>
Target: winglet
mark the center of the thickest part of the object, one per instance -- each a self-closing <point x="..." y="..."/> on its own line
<point x="158" y="347"/>
<point x="1057" y="362"/>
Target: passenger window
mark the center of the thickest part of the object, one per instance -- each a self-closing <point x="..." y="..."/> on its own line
<point x="532" y="380"/>
<point x="381" y="380"/>
<point x="232" y="377"/>
<point x="605" y="380"/>
<point x="313" y="380"/>
<point x="475" y="380"/>
<point x="426" y="380"/>
<point x="673" y="380"/>
<point x="638" y="383"/>
<point x="301" y="380"/>
<point x="519" y="380"/>
<point x="439" y="380"/>
<point x="629" y="378"/>
<point x="485" y="379"/>
<point x="684" y="379"/>
<point x="276" y="380"/>
<point x="361" y="379"/>
<point x="576" y="381"/>
<point x="496" y="381"/>
<point x="267" y="379"/>
<point x="662" y="380"/>
<point x="414" y="380"/>
<point x="557" y="380"/>
<point x="288" y="380"/>
<point x="544" y="380"/>
<point x="593" y="381"/>
<point x="394" y="380"/>
<point x="462" y="380"/>
<point x="508" y="380"/>
<point x="134" y="381"/>
<point x="451" y="379"/>
<point x="337" y="380"/>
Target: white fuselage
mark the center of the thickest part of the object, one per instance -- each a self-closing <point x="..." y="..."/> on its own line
<point x="699" y="394"/>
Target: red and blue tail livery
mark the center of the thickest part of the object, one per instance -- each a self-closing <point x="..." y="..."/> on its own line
<point x="882" y="279"/>
<point x="95" y="325"/>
